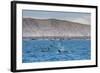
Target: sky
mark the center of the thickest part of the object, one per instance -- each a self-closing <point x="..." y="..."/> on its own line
<point x="84" y="18"/>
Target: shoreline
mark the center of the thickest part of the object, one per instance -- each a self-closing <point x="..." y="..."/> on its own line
<point x="69" y="38"/>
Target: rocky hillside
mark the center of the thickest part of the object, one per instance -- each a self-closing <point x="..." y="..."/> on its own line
<point x="54" y="28"/>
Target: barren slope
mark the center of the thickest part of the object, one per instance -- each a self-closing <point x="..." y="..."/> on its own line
<point x="54" y="28"/>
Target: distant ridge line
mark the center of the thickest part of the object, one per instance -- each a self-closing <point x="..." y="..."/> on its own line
<point x="54" y="29"/>
<point x="53" y="19"/>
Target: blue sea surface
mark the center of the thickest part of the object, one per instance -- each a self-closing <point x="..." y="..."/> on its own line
<point x="42" y="50"/>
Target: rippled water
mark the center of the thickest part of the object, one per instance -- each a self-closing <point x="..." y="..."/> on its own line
<point x="41" y="50"/>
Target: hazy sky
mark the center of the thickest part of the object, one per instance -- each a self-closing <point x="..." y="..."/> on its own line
<point x="84" y="18"/>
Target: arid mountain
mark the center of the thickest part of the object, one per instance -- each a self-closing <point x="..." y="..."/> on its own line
<point x="54" y="28"/>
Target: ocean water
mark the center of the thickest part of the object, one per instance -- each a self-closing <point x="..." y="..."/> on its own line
<point x="42" y="50"/>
